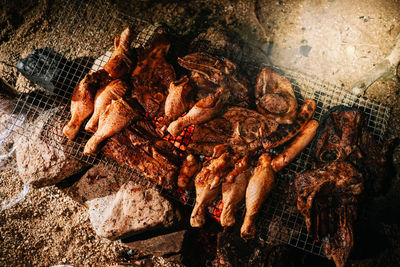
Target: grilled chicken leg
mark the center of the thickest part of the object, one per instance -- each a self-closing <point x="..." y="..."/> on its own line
<point x="233" y="190"/>
<point x="208" y="183"/>
<point x="260" y="184"/>
<point x="204" y="110"/>
<point x="120" y="63"/>
<point x="117" y="116"/>
<point x="113" y="91"/>
<point x="82" y="103"/>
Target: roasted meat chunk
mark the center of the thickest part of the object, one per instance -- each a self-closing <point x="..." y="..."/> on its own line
<point x="349" y="166"/>
<point x="190" y="167"/>
<point x="152" y="76"/>
<point x="120" y="63"/>
<point x="112" y="91"/>
<point x="82" y="102"/>
<point x="275" y="97"/>
<point x="146" y="153"/>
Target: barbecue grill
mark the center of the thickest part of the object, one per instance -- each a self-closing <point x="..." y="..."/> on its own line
<point x="281" y="223"/>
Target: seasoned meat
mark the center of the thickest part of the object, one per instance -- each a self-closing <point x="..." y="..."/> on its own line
<point x="208" y="182"/>
<point x="275" y="97"/>
<point x="244" y="129"/>
<point x="179" y="99"/>
<point x="349" y="165"/>
<point x="145" y="153"/>
<point x="116" y="117"/>
<point x="234" y="189"/>
<point x="112" y="91"/>
<point x="207" y="70"/>
<point x="231" y="88"/>
<point x="260" y="184"/>
<point x="82" y="102"/>
<point x="152" y="76"/>
<point x="120" y="63"/>
<point x="190" y="167"/>
<point x="202" y="111"/>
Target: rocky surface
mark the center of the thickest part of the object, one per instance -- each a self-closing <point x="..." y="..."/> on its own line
<point x="99" y="181"/>
<point x="131" y="211"/>
<point x="40" y="155"/>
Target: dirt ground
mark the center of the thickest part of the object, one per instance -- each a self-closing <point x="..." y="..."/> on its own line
<point x="335" y="40"/>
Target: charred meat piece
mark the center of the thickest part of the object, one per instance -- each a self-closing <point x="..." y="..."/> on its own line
<point x="285" y="132"/>
<point x="275" y="97"/>
<point x="179" y="99"/>
<point x="144" y="152"/>
<point x="202" y="111"/>
<point x="116" y="117"/>
<point x="260" y="184"/>
<point x="152" y="76"/>
<point x="217" y="71"/>
<point x="112" y="91"/>
<point x="120" y="63"/>
<point x="208" y="183"/>
<point x="349" y="166"/>
<point x="82" y="102"/>
<point x="233" y="190"/>
<point x="243" y="129"/>
<point x="328" y="198"/>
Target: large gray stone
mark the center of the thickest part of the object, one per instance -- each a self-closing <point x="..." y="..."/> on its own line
<point x="40" y="154"/>
<point x="132" y="210"/>
<point x="99" y="181"/>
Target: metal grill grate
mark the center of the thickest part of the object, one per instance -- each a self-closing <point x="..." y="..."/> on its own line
<point x="278" y="222"/>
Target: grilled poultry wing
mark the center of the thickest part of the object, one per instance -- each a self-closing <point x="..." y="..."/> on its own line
<point x="190" y="167"/>
<point x="112" y="91"/>
<point x="120" y="63"/>
<point x="275" y="97"/>
<point x="152" y="76"/>
<point x="82" y="105"/>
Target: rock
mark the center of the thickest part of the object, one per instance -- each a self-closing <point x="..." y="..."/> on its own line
<point x="99" y="181"/>
<point x="41" y="158"/>
<point x="131" y="211"/>
<point x="160" y="245"/>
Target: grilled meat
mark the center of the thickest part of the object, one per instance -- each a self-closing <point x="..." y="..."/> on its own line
<point x="116" y="117"/>
<point x="275" y="97"/>
<point x="202" y="111"/>
<point x="260" y="184"/>
<point x="227" y="86"/>
<point x="208" y="183"/>
<point x="82" y="102"/>
<point x="112" y="91"/>
<point x="221" y="72"/>
<point x="143" y="151"/>
<point x="179" y="99"/>
<point x="152" y="76"/>
<point x="348" y="163"/>
<point x="120" y="63"/>
<point x="190" y="167"/>
<point x="233" y="190"/>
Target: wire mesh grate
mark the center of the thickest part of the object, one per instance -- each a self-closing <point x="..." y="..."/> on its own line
<point x="87" y="47"/>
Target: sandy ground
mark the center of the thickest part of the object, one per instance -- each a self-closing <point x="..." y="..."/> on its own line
<point x="335" y="40"/>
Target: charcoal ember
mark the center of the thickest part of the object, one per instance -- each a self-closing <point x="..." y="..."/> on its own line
<point x="131" y="211"/>
<point x="99" y="181"/>
<point x="161" y="245"/>
<point x="40" y="153"/>
<point x="43" y="67"/>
